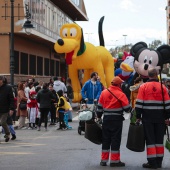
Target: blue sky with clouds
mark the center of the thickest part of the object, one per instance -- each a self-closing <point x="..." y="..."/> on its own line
<point x="143" y="20"/>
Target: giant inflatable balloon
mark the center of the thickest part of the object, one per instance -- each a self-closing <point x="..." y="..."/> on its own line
<point x="83" y="55"/>
<point x="146" y="58"/>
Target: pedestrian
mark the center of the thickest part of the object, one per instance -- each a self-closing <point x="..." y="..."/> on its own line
<point x="32" y="109"/>
<point x="6" y="105"/>
<point x="59" y="85"/>
<point x="70" y="97"/>
<point x="53" y="108"/>
<point x="62" y="106"/>
<point x="91" y="90"/>
<point x="38" y="114"/>
<point x="21" y="98"/>
<point x="112" y="103"/>
<point x="134" y="92"/>
<point x="44" y="97"/>
<point x="151" y="100"/>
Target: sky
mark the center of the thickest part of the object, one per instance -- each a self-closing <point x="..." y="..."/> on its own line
<point x="143" y="20"/>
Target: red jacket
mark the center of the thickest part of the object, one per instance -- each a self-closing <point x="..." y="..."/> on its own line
<point x="110" y="106"/>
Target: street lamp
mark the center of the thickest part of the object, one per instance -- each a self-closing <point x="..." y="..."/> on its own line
<point x="88" y="35"/>
<point x="27" y="25"/>
<point x="125" y="40"/>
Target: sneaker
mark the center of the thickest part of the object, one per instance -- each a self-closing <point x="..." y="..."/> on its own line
<point x="64" y="128"/>
<point x="119" y="164"/>
<point x="30" y="128"/>
<point x="103" y="164"/>
<point x="23" y="128"/>
<point x="38" y="129"/>
<point x="149" y="166"/>
<point x="13" y="137"/>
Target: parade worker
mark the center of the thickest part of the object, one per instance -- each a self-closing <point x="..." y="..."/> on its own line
<point x="111" y="105"/>
<point x="150" y="109"/>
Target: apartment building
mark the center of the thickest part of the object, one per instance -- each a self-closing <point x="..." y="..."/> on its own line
<point x="34" y="54"/>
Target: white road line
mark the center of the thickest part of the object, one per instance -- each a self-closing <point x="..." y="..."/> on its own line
<point x="75" y="118"/>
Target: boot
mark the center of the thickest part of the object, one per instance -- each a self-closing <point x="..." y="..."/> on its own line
<point x="13" y="137"/>
<point x="7" y="137"/>
<point x="103" y="163"/>
<point x="149" y="166"/>
<point x="119" y="164"/>
<point x="159" y="161"/>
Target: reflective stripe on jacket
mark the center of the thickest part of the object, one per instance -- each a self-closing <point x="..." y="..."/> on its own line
<point x="149" y="102"/>
<point x="111" y="107"/>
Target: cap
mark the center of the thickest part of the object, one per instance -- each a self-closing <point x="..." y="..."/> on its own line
<point x="117" y="80"/>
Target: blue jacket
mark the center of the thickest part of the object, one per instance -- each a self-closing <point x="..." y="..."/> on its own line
<point x="91" y="91"/>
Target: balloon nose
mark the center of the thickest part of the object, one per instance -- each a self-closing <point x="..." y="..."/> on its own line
<point x="60" y="42"/>
<point x="146" y="66"/>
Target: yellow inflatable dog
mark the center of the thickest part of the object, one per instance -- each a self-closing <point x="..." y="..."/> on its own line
<point x="80" y="55"/>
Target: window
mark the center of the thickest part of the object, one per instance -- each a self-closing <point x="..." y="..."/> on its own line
<point x="57" y="68"/>
<point x="39" y="66"/>
<point x="32" y="64"/>
<point x="52" y="68"/>
<point x="16" y="63"/>
<point x="46" y="66"/>
<point x="24" y="63"/>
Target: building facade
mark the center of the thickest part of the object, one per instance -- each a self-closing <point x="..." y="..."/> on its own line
<point x="168" y="20"/>
<point x="34" y="54"/>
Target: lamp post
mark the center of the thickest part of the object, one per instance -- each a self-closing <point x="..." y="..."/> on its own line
<point x="88" y="35"/>
<point x="12" y="67"/>
<point x="27" y="25"/>
<point x="125" y="40"/>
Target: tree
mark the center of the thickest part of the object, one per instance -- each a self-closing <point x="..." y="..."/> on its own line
<point x="155" y="44"/>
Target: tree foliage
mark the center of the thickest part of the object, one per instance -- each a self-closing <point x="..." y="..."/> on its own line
<point x="114" y="51"/>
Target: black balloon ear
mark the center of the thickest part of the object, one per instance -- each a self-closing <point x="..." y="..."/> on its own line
<point x="164" y="50"/>
<point x="135" y="48"/>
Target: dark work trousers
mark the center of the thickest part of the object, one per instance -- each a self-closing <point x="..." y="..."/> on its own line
<point x="61" y="120"/>
<point x="154" y="134"/>
<point x="44" y="116"/>
<point x="53" y="114"/>
<point x="3" y="119"/>
<point x="111" y="135"/>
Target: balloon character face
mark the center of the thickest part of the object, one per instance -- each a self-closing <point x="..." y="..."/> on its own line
<point x="146" y="58"/>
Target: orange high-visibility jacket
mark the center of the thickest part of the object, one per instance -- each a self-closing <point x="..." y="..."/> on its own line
<point x="110" y="107"/>
<point x="149" y="102"/>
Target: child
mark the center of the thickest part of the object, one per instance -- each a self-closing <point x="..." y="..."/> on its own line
<point x="11" y="128"/>
<point x="33" y="109"/>
<point x="62" y="106"/>
<point x="68" y="116"/>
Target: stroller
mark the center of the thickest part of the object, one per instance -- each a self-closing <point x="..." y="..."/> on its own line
<point x="85" y="114"/>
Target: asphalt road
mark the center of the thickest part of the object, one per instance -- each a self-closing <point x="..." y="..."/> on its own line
<point x="63" y="150"/>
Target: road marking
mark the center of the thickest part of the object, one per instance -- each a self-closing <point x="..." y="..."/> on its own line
<point x="16" y="153"/>
<point x="21" y="145"/>
<point x="75" y="118"/>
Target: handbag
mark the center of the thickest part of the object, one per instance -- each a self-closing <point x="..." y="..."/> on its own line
<point x="136" y="138"/>
<point x="93" y="132"/>
<point x="167" y="142"/>
<point x="23" y="105"/>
